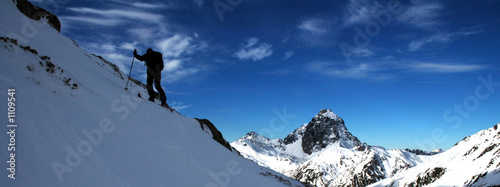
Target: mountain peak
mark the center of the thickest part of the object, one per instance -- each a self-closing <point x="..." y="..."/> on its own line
<point x="252" y="135"/>
<point x="324" y="129"/>
<point x="328" y="114"/>
<point x="255" y="137"/>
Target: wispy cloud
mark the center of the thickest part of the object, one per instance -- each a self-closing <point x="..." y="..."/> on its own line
<point x="327" y="68"/>
<point x="145" y="34"/>
<point x="147" y="5"/>
<point x="176" y="45"/>
<point x="351" y="71"/>
<point x="314" y="26"/>
<point x="358" y="12"/>
<point x="441" y="38"/>
<point x="429" y="67"/>
<point x="178" y="106"/>
<point x="111" y="53"/>
<point x="176" y="52"/>
<point x="422" y="14"/>
<point x="180" y="73"/>
<point x="128" y="46"/>
<point x="120" y="14"/>
<point x="288" y="54"/>
<point x="173" y="65"/>
<point x="316" y="31"/>
<point x="386" y="69"/>
<point x="254" y="51"/>
<point x="355" y="51"/>
<point x="139" y="25"/>
<point x="91" y="20"/>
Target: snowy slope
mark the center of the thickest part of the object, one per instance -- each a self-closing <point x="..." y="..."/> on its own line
<point x="474" y="161"/>
<point x="324" y="153"/>
<point x="77" y="126"/>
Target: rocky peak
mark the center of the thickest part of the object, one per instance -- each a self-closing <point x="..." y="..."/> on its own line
<point x="37" y="13"/>
<point x="254" y="136"/>
<point x="327" y="113"/>
<point x="295" y="135"/>
<point x="324" y="129"/>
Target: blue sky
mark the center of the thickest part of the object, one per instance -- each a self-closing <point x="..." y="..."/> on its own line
<point x="402" y="74"/>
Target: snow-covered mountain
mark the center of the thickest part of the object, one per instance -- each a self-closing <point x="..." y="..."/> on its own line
<point x="474" y="161"/>
<point x="78" y="126"/>
<point x="334" y="157"/>
<point x="324" y="153"/>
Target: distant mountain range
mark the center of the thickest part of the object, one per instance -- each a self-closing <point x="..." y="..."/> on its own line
<point x="324" y="153"/>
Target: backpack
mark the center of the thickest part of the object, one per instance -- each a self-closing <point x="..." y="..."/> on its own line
<point x="156" y="59"/>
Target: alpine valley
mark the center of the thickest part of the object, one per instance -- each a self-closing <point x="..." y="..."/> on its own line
<point x="324" y="153"/>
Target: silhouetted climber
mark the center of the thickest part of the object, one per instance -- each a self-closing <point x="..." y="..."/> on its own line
<point x="154" y="62"/>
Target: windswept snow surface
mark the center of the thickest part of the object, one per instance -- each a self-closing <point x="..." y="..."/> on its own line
<point x="78" y="126"/>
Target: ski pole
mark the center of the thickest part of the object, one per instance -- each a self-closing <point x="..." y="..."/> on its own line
<point x="131" y="65"/>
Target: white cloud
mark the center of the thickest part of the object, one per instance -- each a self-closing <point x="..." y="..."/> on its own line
<point x="317" y="31"/>
<point x="254" y="51"/>
<point x="180" y="73"/>
<point x="429" y="67"/>
<point x="128" y="46"/>
<point x="119" y="60"/>
<point x="419" y="13"/>
<point x="288" y="54"/>
<point x="441" y="38"/>
<point x="91" y="20"/>
<point x="355" y="51"/>
<point x="145" y="34"/>
<point x="358" y="12"/>
<point x="178" y="106"/>
<point x="251" y="42"/>
<point x="178" y="45"/>
<point x="117" y="14"/>
<point x="176" y="50"/>
<point x="327" y="68"/>
<point x="314" y="25"/>
<point x="147" y="5"/>
<point x="173" y="65"/>
<point x="422" y="14"/>
<point x="374" y="71"/>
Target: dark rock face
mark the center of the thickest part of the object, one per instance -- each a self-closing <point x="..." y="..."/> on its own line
<point x="37" y="13"/>
<point x="371" y="173"/>
<point x="428" y="177"/>
<point x="216" y="134"/>
<point x="294" y="136"/>
<point x="420" y="152"/>
<point x="324" y="129"/>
